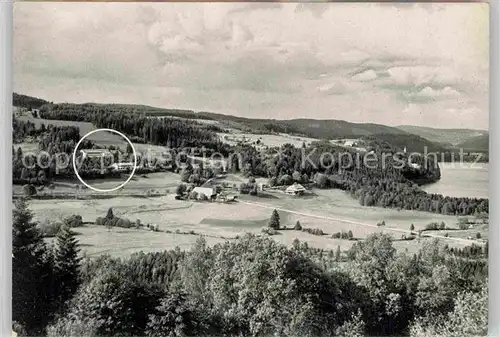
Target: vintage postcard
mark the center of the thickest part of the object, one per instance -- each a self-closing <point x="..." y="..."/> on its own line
<point x="250" y="169"/>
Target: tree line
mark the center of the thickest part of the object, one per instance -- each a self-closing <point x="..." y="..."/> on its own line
<point x="170" y="132"/>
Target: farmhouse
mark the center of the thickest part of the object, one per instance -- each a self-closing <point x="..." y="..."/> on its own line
<point x="227" y="197"/>
<point x="95" y="153"/>
<point x="122" y="167"/>
<point x="295" y="189"/>
<point x="262" y="186"/>
<point x="209" y="192"/>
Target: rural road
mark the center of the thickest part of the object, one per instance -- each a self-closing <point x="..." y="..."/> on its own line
<point x="359" y="223"/>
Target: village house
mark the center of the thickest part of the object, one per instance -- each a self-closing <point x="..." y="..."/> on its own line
<point x="262" y="186"/>
<point x="121" y="167"/>
<point x="98" y="153"/>
<point x="209" y="192"/>
<point x="295" y="189"/>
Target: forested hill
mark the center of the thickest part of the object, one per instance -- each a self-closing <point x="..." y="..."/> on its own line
<point x="446" y="136"/>
<point x="27" y="102"/>
<point x="412" y="143"/>
<point x="400" y="137"/>
<point x="315" y="128"/>
<point x="476" y="144"/>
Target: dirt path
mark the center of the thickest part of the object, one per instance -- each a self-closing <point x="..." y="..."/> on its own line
<point x="360" y="223"/>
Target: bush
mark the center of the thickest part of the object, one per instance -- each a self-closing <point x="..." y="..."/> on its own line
<point x="433" y="226"/>
<point x="269" y="231"/>
<point x="29" y="189"/>
<point x="74" y="221"/>
<point x="124" y="223"/>
<point x="381" y="223"/>
<point x="314" y="231"/>
<point x="463" y="225"/>
<point x="298" y="226"/>
<point x="343" y="235"/>
<point x="113" y="222"/>
<point x="181" y="189"/>
<point x="50" y="229"/>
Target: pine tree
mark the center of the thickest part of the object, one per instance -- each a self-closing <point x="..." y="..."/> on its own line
<point x="32" y="272"/>
<point x="274" y="222"/>
<point x="350" y="236"/>
<point x="337" y="254"/>
<point x="67" y="264"/>
<point x="110" y="214"/>
<point x="298" y="226"/>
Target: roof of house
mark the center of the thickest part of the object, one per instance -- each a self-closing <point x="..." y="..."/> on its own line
<point x="96" y="152"/>
<point x="295" y="188"/>
<point x="205" y="190"/>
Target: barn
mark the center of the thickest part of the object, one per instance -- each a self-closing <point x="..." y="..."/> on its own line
<point x="295" y="189"/>
<point x="209" y="192"/>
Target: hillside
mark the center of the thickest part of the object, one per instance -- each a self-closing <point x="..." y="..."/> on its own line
<point x="27" y="102"/>
<point x="329" y="129"/>
<point x="413" y="143"/>
<point x="445" y="136"/>
<point x="314" y="128"/>
<point x="476" y="144"/>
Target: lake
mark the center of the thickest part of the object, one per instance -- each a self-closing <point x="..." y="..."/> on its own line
<point x="461" y="180"/>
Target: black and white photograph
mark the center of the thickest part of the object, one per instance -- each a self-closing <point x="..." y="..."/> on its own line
<point x="250" y="169"/>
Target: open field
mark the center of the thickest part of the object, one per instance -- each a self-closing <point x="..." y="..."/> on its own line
<point x="139" y="184"/>
<point x="121" y="242"/>
<point x="330" y="210"/>
<point x="271" y="140"/>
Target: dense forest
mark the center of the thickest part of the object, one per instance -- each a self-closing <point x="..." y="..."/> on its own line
<point x="251" y="286"/>
<point x="170" y="132"/>
<point x="27" y="102"/>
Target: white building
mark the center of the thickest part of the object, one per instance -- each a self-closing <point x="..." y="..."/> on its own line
<point x="295" y="189"/>
<point x="95" y="153"/>
<point x="209" y="192"/>
<point x="122" y="167"/>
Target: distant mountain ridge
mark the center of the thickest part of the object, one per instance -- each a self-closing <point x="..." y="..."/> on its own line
<point x="476" y="144"/>
<point x="401" y="136"/>
<point x="444" y="136"/>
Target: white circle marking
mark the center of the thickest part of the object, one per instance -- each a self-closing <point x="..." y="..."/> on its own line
<point x="98" y="189"/>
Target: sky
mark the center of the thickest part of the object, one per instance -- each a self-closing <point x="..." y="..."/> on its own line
<point x="416" y="64"/>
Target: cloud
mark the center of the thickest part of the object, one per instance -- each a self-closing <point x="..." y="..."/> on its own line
<point x="367" y="75"/>
<point x="334" y="88"/>
<point x="357" y="61"/>
<point x="433" y="93"/>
